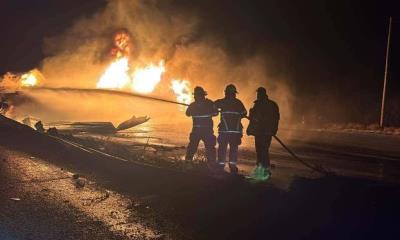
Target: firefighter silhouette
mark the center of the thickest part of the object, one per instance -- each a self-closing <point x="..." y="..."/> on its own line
<point x="201" y="110"/>
<point x="264" y="120"/>
<point x="230" y="129"/>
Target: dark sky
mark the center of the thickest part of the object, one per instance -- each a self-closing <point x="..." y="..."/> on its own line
<point x="332" y="50"/>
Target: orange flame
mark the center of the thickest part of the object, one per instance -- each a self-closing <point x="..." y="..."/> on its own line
<point x="143" y="80"/>
<point x="116" y="76"/>
<point x="31" y="78"/>
<point x="122" y="45"/>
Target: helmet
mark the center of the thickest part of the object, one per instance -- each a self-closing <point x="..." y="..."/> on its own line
<point x="262" y="91"/>
<point x="230" y="89"/>
<point x="199" y="91"/>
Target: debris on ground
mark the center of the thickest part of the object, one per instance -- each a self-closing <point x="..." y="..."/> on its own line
<point x="80" y="183"/>
<point x="27" y="121"/>
<point x="39" y="127"/>
<point x="98" y="127"/>
<point x="134" y="121"/>
<point x="53" y="132"/>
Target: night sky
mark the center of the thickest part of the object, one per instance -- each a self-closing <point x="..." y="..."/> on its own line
<point x="332" y="51"/>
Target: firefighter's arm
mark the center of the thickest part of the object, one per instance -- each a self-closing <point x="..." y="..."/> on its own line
<point x="250" y="127"/>
<point x="251" y="114"/>
<point x="189" y="110"/>
<point x="276" y="119"/>
<point x="243" y="111"/>
<point x="217" y="106"/>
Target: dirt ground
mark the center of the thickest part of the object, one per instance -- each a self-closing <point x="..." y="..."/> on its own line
<point x="122" y="198"/>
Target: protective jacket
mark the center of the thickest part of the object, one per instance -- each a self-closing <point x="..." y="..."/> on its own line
<point x="264" y="118"/>
<point x="202" y="113"/>
<point x="232" y="111"/>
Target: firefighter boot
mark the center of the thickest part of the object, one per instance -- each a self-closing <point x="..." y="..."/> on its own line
<point x="261" y="173"/>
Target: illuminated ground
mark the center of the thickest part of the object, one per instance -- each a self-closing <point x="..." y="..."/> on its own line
<point x="355" y="154"/>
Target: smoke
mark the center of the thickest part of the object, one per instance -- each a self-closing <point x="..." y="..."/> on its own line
<point x="79" y="57"/>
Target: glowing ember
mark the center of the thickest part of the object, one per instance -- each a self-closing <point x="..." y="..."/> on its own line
<point x="146" y="79"/>
<point x="116" y="76"/>
<point x="181" y="89"/>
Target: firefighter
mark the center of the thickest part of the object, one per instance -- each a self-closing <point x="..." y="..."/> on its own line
<point x="230" y="127"/>
<point x="201" y="110"/>
<point x="264" y="120"/>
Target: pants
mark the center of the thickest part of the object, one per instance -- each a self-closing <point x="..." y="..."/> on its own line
<point x="209" y="143"/>
<point x="231" y="139"/>
<point x="263" y="142"/>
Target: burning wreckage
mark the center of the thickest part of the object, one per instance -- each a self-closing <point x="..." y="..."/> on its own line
<point x="12" y="94"/>
<point x="117" y="78"/>
<point x="86" y="127"/>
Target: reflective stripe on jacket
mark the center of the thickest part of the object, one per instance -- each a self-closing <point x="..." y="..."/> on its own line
<point x="202" y="113"/>
<point x="232" y="111"/>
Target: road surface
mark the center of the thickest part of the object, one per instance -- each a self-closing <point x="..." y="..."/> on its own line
<point x="360" y="154"/>
<point x="132" y="197"/>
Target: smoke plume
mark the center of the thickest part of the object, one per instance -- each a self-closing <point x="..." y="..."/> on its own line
<point x="79" y="57"/>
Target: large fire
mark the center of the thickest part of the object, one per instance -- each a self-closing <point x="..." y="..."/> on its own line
<point x="144" y="80"/>
<point x="116" y="76"/>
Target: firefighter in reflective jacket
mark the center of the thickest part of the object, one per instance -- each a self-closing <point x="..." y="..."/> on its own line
<point x="264" y="120"/>
<point x="230" y="128"/>
<point x="201" y="110"/>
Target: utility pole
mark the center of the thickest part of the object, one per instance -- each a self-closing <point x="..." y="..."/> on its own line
<point x="386" y="74"/>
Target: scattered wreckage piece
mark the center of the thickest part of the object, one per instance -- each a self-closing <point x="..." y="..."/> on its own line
<point x="134" y="121"/>
<point x="98" y="127"/>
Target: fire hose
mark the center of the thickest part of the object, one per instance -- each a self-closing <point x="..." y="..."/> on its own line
<point x="319" y="169"/>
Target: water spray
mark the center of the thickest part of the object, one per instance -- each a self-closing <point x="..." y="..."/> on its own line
<point x="104" y="91"/>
